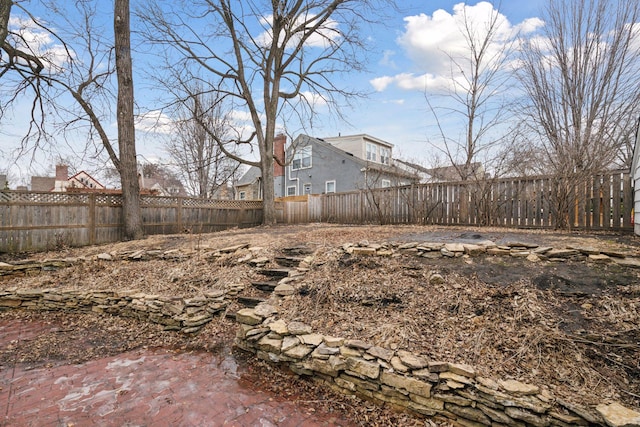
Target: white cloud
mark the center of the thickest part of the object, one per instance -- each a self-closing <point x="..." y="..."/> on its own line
<point x="431" y="41"/>
<point x="322" y="38"/>
<point x="154" y="121"/>
<point x="530" y="25"/>
<point x="240" y="116"/>
<point x="314" y="99"/>
<point x="387" y="59"/>
<point x="409" y="81"/>
<point x="32" y="38"/>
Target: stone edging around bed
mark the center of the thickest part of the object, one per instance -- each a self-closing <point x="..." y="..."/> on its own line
<point x="398" y="378"/>
<point x="411" y="382"/>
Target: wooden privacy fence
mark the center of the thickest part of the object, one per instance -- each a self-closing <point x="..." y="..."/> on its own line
<point x="601" y="202"/>
<point x="299" y="209"/>
<point x="36" y="221"/>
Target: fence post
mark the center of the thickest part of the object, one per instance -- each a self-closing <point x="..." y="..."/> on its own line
<point x="179" y="215"/>
<point x="92" y="219"/>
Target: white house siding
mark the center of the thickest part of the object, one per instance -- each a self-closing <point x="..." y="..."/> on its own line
<point x="636" y="200"/>
<point x="635" y="173"/>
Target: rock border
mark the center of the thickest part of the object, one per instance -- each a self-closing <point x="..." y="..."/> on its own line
<point x="396" y="377"/>
<point x="186" y="315"/>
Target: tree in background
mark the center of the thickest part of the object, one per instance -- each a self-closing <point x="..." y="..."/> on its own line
<point x="475" y="94"/>
<point x="155" y="173"/>
<point x="272" y="60"/>
<point x="80" y="65"/>
<point x="581" y="81"/>
<point x="202" y="127"/>
<point x="14" y="57"/>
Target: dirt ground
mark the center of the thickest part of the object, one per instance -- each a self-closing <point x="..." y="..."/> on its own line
<point x="573" y="326"/>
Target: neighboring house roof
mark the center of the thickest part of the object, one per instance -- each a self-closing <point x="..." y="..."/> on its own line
<point x="42" y="183"/>
<point x="253" y="173"/>
<point x="392" y="170"/>
<point x="61" y="182"/>
<point x="83" y="180"/>
<point x="249" y="177"/>
<point x="448" y="173"/>
<point x="163" y="187"/>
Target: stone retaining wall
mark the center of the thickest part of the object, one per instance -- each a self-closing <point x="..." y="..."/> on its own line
<point x="398" y="378"/>
<point x="407" y="381"/>
<point x="187" y="315"/>
<point x="395" y="377"/>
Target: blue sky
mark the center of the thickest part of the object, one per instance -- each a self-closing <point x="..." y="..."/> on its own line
<point x="403" y="54"/>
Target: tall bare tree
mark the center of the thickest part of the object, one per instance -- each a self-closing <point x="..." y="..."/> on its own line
<point x="127" y="165"/>
<point x="81" y="66"/>
<point x="581" y="81"/>
<point x="202" y="124"/>
<point x="14" y="56"/>
<point x="272" y="58"/>
<point x="479" y="80"/>
<point x="475" y="98"/>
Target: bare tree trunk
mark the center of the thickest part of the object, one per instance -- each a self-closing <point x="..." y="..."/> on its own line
<point x="268" y="190"/>
<point x="5" y="12"/>
<point x="126" y="129"/>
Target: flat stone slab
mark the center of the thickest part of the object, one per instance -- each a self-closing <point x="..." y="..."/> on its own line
<point x="275" y="272"/>
<point x="600" y="258"/>
<point x="265" y="286"/>
<point x="231" y="249"/>
<point x="628" y="262"/>
<point x="521" y="245"/>
<point x="454" y="247"/>
<point x="617" y="415"/>
<point x="562" y="253"/>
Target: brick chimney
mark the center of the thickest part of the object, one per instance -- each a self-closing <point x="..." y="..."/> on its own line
<point x="62" y="172"/>
<point x="278" y="152"/>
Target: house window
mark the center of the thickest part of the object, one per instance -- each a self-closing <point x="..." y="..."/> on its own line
<point x="385" y="156"/>
<point x="386" y="183"/>
<point x="243" y="195"/>
<point x="302" y="158"/>
<point x="307" y="189"/>
<point x="330" y="187"/>
<point x="291" y="191"/>
<point x="372" y="152"/>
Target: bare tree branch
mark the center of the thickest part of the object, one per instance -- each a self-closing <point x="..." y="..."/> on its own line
<point x="299" y="47"/>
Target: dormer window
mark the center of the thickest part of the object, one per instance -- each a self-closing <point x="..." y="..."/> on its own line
<point x="372" y="152"/>
<point x="385" y="156"/>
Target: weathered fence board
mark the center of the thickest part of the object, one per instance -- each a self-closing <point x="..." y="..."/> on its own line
<point x="36" y="221"/>
<point x="603" y="202"/>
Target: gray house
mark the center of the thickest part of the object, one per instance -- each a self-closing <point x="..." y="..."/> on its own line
<point x="329" y="165"/>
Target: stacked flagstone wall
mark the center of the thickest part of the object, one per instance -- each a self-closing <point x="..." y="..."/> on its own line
<point x="404" y="380"/>
<point x="187" y="315"/>
<point x="408" y="381"/>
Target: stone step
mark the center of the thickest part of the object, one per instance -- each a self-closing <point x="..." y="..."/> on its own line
<point x="265" y="286"/>
<point x="231" y="249"/>
<point x="298" y="250"/>
<point x="250" y="301"/>
<point x="288" y="261"/>
<point x="275" y="272"/>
